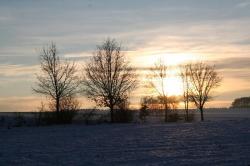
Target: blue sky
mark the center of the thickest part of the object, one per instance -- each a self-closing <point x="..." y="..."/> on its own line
<point x="216" y="31"/>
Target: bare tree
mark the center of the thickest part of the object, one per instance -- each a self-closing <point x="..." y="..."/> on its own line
<point x="203" y="79"/>
<point x="151" y="103"/>
<point x="58" y="79"/>
<point x="157" y="81"/>
<point x="243" y="102"/>
<point x="174" y="102"/>
<point x="185" y="76"/>
<point x="108" y="78"/>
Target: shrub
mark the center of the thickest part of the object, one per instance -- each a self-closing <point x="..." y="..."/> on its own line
<point x="191" y="117"/>
<point x="19" y="120"/>
<point x="37" y="116"/>
<point x="2" y="121"/>
<point x="144" y="112"/>
<point x="88" y="117"/>
<point x="66" y="116"/>
<point x="173" y="117"/>
<point x="123" y="116"/>
<point x="50" y="118"/>
<point x="103" y="119"/>
<point x="44" y="116"/>
<point x="63" y="117"/>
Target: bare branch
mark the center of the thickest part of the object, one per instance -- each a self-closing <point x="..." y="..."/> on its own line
<point x="203" y="79"/>
<point x="108" y="78"/>
<point x="58" y="78"/>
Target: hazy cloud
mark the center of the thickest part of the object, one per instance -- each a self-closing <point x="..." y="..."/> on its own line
<point x="234" y="63"/>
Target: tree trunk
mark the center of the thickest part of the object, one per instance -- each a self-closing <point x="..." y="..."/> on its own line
<point x="166" y="115"/>
<point x="112" y="114"/>
<point x="186" y="114"/>
<point x="165" y="100"/>
<point x="187" y="111"/>
<point x="202" y="116"/>
<point x="57" y="108"/>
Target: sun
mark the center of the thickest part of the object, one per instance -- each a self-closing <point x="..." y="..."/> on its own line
<point x="173" y="82"/>
<point x="173" y="59"/>
<point x="173" y="86"/>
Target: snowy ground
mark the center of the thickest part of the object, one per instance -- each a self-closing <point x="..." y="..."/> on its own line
<point x="225" y="142"/>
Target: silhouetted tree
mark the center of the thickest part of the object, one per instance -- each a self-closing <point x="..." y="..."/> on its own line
<point x="58" y="79"/>
<point x="203" y="79"/>
<point x="151" y="103"/>
<point x="174" y="102"/>
<point x="157" y="103"/>
<point x="243" y="102"/>
<point x="158" y="77"/>
<point x="108" y="77"/>
<point x="185" y="76"/>
<point x="144" y="109"/>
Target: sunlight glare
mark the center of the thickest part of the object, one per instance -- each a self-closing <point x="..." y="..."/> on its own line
<point x="173" y="82"/>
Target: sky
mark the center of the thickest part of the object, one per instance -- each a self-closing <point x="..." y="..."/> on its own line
<point x="214" y="31"/>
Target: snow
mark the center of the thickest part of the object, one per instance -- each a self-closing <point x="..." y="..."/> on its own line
<point x="28" y="118"/>
<point x="222" y="142"/>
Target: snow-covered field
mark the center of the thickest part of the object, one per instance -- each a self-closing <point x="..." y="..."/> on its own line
<point x="222" y="142"/>
<point x="14" y="118"/>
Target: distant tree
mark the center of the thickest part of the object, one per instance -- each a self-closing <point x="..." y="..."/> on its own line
<point x="158" y="77"/>
<point x="243" y="102"/>
<point x="151" y="103"/>
<point x="123" y="105"/>
<point x="185" y="76"/>
<point x="108" y="77"/>
<point x="58" y="79"/>
<point x="144" y="109"/>
<point x="203" y="79"/>
<point x="158" y="103"/>
<point x="174" y="102"/>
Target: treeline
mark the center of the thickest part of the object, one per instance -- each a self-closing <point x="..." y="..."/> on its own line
<point x="108" y="79"/>
<point x="243" y="102"/>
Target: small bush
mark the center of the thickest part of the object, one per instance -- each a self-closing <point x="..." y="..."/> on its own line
<point x="50" y="118"/>
<point x="37" y="116"/>
<point x="2" y="121"/>
<point x="103" y="119"/>
<point x="66" y="116"/>
<point x="144" y="112"/>
<point x="19" y="120"/>
<point x="173" y="117"/>
<point x="191" y="117"/>
<point x="88" y="117"/>
<point x="123" y="116"/>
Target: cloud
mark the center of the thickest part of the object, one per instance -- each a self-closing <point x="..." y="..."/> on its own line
<point x="18" y="70"/>
<point x="233" y="63"/>
<point x="16" y="104"/>
<point x="231" y="95"/>
<point x="19" y="60"/>
<point x="243" y="4"/>
<point x="243" y="42"/>
<point x="31" y="103"/>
